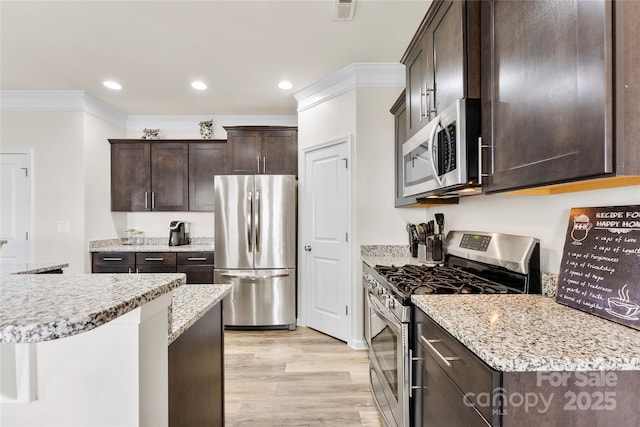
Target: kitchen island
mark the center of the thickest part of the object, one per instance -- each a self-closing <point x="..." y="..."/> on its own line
<point x="554" y="365"/>
<point x="75" y="347"/>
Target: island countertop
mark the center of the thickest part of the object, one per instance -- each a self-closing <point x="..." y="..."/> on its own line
<point x="518" y="333"/>
<point x="36" y="308"/>
<point x="191" y="302"/>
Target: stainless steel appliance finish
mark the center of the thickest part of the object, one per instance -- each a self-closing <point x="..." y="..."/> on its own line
<point x="255" y="243"/>
<point x="388" y="331"/>
<point x="443" y="156"/>
<point x="387" y="335"/>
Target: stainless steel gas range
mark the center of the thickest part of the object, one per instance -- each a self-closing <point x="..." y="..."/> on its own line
<point x="475" y="263"/>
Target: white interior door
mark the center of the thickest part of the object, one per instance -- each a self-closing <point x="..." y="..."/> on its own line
<point x="326" y="249"/>
<point x="15" y="210"/>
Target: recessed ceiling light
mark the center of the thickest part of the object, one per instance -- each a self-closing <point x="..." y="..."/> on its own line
<point x="112" y="85"/>
<point x="285" y="85"/>
<point x="198" y="85"/>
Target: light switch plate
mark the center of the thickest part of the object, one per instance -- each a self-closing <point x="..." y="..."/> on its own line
<point x="63" y="226"/>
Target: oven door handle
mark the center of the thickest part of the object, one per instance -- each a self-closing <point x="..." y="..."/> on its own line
<point x="383" y="311"/>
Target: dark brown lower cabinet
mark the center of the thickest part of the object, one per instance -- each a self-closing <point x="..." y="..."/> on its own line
<point x="196" y="373"/>
<point x="464" y="391"/>
<point x="198" y="266"/>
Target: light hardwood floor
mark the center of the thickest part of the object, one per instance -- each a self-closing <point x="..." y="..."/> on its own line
<point x="295" y="378"/>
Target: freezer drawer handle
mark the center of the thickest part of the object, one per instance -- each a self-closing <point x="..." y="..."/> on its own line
<point x="112" y="259"/>
<point x="154" y="259"/>
<point x="429" y="344"/>
<point x="250" y="277"/>
<point x="196" y="259"/>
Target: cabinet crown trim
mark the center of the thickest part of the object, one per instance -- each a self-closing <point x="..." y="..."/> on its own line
<point x="356" y="75"/>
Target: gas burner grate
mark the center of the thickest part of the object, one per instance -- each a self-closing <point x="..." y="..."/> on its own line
<point x="423" y="280"/>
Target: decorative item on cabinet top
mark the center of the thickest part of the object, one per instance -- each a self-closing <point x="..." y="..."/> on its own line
<point x="206" y="129"/>
<point x="151" y="134"/>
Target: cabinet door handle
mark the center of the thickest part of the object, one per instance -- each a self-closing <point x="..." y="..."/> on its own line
<point x="197" y="259"/>
<point x="481" y="148"/>
<point x="422" y="95"/>
<point x="112" y="259"/>
<point x="154" y="259"/>
<point x="129" y="270"/>
<point x="429" y="344"/>
<point x="146" y="205"/>
<point x="264" y="164"/>
<point x="258" y="159"/>
<point x="153" y="200"/>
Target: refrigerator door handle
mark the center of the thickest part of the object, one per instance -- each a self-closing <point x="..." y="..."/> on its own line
<point x="254" y="277"/>
<point x="249" y="221"/>
<point x="258" y="214"/>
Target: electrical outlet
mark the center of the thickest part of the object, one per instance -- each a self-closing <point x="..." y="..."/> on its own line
<point x="63" y="226"/>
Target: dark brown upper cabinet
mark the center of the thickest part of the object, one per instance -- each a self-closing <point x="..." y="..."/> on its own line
<point x="442" y="61"/>
<point x="262" y="150"/>
<point x="164" y="175"/>
<point x="130" y="176"/>
<point x="550" y="108"/>
<point x="169" y="177"/>
<point x="206" y="160"/>
<point x="399" y="112"/>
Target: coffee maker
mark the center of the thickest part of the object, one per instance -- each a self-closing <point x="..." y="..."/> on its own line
<point x="178" y="233"/>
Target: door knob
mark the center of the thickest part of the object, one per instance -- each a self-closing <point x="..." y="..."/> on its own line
<point x="307" y="248"/>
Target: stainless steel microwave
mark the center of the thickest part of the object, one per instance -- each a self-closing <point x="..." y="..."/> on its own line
<point x="444" y="155"/>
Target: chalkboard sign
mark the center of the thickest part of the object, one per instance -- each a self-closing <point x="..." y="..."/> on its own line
<point x="600" y="270"/>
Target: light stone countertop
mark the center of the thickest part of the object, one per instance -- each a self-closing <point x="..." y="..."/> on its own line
<point x="517" y="333"/>
<point x="29" y="267"/>
<point x="191" y="302"/>
<point x="36" y="308"/>
<point x="153" y="248"/>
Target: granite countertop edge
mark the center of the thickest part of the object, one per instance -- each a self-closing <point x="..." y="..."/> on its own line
<point x="191" y="302"/>
<point x="49" y="325"/>
<point x="154" y="248"/>
<point x="501" y="335"/>
<point x="30" y="268"/>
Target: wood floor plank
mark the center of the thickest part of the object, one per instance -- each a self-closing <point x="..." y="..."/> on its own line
<point x="295" y="378"/>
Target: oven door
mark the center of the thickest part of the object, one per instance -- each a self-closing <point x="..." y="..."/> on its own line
<point x="389" y="369"/>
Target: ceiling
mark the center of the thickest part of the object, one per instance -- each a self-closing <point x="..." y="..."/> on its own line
<point x="155" y="49"/>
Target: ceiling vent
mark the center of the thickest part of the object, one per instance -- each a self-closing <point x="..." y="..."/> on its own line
<point x="343" y="10"/>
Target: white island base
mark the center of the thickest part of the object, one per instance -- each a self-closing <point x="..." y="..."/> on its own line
<point x="113" y="375"/>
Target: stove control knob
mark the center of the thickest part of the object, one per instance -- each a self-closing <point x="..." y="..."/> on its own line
<point x="380" y="291"/>
<point x="391" y="303"/>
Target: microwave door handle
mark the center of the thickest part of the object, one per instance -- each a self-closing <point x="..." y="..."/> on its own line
<point x="430" y="148"/>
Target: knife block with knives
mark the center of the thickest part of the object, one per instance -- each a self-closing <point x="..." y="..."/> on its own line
<point x="430" y="244"/>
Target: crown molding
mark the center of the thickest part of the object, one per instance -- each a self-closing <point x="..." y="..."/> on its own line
<point x="356" y="75"/>
<point x="61" y="100"/>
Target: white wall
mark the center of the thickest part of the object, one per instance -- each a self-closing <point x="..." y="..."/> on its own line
<point x="543" y="217"/>
<point x="100" y="222"/>
<point x="56" y="140"/>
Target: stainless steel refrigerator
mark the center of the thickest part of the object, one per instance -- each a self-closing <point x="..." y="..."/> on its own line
<point x="255" y="248"/>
